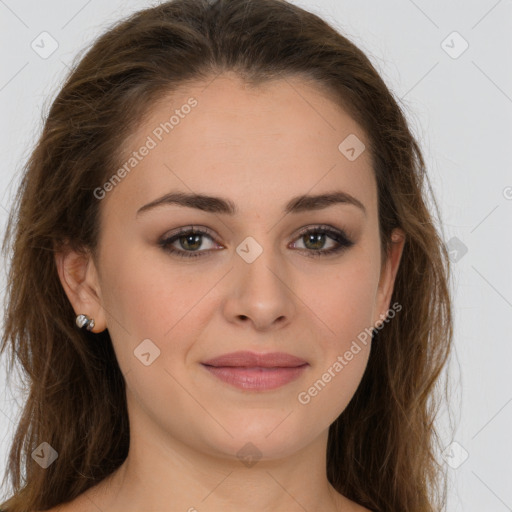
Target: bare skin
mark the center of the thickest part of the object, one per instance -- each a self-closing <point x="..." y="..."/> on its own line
<point x="258" y="148"/>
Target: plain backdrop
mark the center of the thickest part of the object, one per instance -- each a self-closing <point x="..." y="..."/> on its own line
<point x="449" y="65"/>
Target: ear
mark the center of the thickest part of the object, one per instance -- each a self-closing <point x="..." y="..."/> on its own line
<point x="388" y="275"/>
<point x="79" y="278"/>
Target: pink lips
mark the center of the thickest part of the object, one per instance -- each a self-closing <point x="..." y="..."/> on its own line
<point x="253" y="371"/>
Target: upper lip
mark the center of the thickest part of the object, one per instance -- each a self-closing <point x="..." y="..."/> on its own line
<point x="254" y="359"/>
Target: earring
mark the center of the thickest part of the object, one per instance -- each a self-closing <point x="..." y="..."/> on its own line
<point x="84" y="320"/>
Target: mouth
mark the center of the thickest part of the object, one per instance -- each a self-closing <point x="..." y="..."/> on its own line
<point x="254" y="371"/>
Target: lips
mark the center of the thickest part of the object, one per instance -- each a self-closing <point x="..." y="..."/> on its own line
<point x="244" y="359"/>
<point x="252" y="371"/>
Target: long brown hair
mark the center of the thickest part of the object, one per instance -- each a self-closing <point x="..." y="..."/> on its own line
<point x="382" y="448"/>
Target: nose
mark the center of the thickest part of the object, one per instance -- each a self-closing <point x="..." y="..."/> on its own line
<point x="260" y="293"/>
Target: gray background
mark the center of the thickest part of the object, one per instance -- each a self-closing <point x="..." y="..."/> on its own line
<point x="460" y="107"/>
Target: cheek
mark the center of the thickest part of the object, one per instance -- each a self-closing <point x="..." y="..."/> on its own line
<point x="343" y="299"/>
<point x="344" y="344"/>
<point x="343" y="313"/>
<point x="139" y="293"/>
<point x="149" y="298"/>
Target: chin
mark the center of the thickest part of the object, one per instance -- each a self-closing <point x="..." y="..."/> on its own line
<point x="260" y="436"/>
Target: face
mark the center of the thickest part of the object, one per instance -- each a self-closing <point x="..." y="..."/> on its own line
<point x="273" y="275"/>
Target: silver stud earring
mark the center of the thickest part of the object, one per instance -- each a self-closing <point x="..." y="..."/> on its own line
<point x="85" y="321"/>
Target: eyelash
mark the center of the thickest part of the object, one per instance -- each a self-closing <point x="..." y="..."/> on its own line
<point x="338" y="236"/>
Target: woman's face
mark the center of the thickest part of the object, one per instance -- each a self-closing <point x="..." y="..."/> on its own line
<point x="253" y="282"/>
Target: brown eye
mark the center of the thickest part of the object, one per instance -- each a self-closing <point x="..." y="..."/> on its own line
<point x="189" y="240"/>
<point x="314" y="240"/>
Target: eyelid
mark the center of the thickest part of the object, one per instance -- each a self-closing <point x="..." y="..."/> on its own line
<point x="188" y="229"/>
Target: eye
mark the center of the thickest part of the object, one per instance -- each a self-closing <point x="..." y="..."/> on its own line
<point x="190" y="241"/>
<point x="314" y="240"/>
<point x="189" y="238"/>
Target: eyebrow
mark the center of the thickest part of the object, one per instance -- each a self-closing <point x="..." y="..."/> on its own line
<point x="213" y="204"/>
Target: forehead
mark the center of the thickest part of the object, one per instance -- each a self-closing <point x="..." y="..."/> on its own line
<point x="224" y="137"/>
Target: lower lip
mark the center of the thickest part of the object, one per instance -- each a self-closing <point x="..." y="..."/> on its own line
<point x="256" y="379"/>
